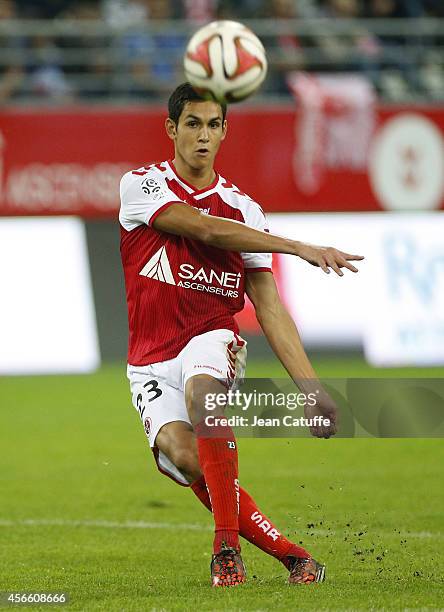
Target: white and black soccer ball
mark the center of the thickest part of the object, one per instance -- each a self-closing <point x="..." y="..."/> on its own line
<point x="226" y="61"/>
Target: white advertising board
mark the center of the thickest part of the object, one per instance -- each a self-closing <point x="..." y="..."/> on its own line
<point x="394" y="306"/>
<point x="47" y="317"/>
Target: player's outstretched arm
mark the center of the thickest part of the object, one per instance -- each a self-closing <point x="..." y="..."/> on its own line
<point x="230" y="235"/>
<point x="284" y="339"/>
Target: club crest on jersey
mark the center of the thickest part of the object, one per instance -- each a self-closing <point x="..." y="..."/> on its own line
<point x="190" y="277"/>
<point x="147" y="426"/>
<point x="152" y="188"/>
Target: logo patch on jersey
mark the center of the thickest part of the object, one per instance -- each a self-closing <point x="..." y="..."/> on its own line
<point x="158" y="267"/>
<point x="147" y="426"/>
<point x="152" y="188"/>
<point x="199" y="279"/>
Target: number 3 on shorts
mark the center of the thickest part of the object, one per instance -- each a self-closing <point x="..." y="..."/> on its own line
<point x="149" y="392"/>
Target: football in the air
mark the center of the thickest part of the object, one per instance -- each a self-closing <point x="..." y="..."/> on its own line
<point x="226" y="61"/>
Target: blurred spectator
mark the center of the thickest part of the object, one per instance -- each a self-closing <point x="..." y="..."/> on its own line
<point x="89" y="66"/>
<point x="286" y="48"/>
<point x="200" y="11"/>
<point x="43" y="9"/>
<point x="124" y="13"/>
<point x="11" y="59"/>
<point x="368" y="53"/>
<point x="352" y="52"/>
<point x="392" y="47"/>
<point x="46" y="77"/>
<point x="435" y="8"/>
<point x="121" y="14"/>
<point x="241" y="9"/>
<point x="151" y="60"/>
<point x="394" y="8"/>
<point x="10" y="82"/>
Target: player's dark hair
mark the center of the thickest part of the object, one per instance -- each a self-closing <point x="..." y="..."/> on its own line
<point x="181" y="95"/>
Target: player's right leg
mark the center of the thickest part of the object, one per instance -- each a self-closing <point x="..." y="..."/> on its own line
<point x="160" y="403"/>
<point x="177" y="441"/>
<point x="161" y="407"/>
<point x="211" y="364"/>
<point x="217" y="451"/>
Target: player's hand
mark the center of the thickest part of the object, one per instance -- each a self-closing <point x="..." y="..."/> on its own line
<point x="327" y="258"/>
<point x="325" y="407"/>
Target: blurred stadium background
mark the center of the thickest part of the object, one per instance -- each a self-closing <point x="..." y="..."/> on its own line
<point x="343" y="145"/>
<point x="348" y="130"/>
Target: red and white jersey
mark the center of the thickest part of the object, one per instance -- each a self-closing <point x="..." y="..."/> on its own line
<point x="178" y="288"/>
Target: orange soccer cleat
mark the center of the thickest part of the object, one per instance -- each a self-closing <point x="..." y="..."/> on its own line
<point x="306" y="571"/>
<point x="227" y="568"/>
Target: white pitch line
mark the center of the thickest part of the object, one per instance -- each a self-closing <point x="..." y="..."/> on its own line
<point x="403" y="534"/>
<point x="105" y="524"/>
<point x="191" y="527"/>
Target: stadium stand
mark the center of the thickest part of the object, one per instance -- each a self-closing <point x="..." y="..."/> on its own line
<point x="119" y="51"/>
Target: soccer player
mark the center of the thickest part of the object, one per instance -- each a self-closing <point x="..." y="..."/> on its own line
<point x="192" y="244"/>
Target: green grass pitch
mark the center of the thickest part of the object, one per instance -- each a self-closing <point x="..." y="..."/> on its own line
<point x="84" y="510"/>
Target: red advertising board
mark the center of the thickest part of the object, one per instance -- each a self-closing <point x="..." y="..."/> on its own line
<point x="70" y="162"/>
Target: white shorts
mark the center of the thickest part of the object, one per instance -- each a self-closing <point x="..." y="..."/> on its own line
<point x="158" y="389"/>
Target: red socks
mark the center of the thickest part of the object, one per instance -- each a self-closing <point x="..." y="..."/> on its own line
<point x="233" y="509"/>
<point x="218" y="461"/>
<point x="254" y="525"/>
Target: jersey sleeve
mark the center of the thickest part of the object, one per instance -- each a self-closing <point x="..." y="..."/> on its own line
<point x="143" y="195"/>
<point x="257" y="262"/>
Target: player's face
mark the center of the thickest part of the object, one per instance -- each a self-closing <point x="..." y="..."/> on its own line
<point x="198" y="134"/>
